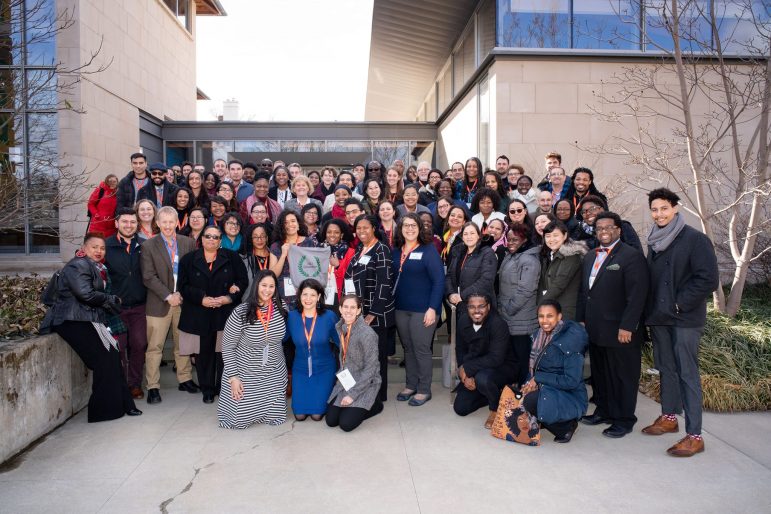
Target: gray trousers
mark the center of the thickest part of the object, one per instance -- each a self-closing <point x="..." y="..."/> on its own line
<point x="676" y="356"/>
<point x="417" y="350"/>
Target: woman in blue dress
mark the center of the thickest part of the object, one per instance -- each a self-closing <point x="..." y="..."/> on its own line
<point x="312" y="328"/>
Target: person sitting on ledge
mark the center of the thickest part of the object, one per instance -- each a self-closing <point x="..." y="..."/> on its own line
<point x="556" y="393"/>
<point x="485" y="358"/>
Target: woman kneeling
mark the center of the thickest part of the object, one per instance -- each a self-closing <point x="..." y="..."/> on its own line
<point x="355" y="396"/>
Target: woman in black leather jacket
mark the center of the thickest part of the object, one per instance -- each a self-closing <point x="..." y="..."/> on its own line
<point x="78" y="314"/>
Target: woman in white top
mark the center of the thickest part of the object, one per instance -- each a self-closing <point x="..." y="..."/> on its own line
<point x="485" y="204"/>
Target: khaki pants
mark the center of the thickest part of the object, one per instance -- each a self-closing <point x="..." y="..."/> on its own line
<point x="157" y="330"/>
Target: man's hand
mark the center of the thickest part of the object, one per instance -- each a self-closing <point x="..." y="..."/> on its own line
<point x="174" y="299"/>
<point x="470" y="383"/>
<point x="624" y="336"/>
<point x="454" y="299"/>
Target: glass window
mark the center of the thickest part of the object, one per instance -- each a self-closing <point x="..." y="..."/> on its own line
<point x="486" y="28"/>
<point x="484" y="121"/>
<point x="206" y="152"/>
<point x="534" y="23"/>
<point x="43" y="191"/>
<point x="738" y="33"/>
<point x="421" y="151"/>
<point x="256" y="146"/>
<point x="10" y="89"/>
<point x="178" y="152"/>
<point x="388" y="151"/>
<point x="181" y="10"/>
<point x="10" y="34"/>
<point x="41" y="89"/>
<point x="349" y="146"/>
<point x="444" y="89"/>
<point x="41" y="28"/>
<point x="694" y="29"/>
<point x="607" y="24"/>
<point x="12" y="212"/>
<point x="303" y="146"/>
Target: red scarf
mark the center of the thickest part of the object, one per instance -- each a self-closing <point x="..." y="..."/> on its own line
<point x="338" y="212"/>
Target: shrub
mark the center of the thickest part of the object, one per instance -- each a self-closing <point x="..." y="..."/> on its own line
<point x="734" y="357"/>
<point x="20" y="309"/>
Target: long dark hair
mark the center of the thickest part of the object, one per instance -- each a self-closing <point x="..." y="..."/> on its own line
<point x="480" y="171"/>
<point x="548" y="229"/>
<point x="425" y="236"/>
<point x="250" y="316"/>
<point x="279" y="234"/>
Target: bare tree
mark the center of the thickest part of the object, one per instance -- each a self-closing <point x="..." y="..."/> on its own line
<point x="710" y="91"/>
<point x="35" y="85"/>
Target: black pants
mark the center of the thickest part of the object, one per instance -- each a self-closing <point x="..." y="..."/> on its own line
<point x="348" y="418"/>
<point x="110" y="395"/>
<point x="209" y="364"/>
<point x="489" y="383"/>
<point x="615" y="381"/>
<point x="559" y="429"/>
<point x="520" y="345"/>
<point x="383" y="335"/>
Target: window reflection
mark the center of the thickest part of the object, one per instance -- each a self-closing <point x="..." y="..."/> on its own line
<point x="606" y="24"/>
<point x="534" y="23"/>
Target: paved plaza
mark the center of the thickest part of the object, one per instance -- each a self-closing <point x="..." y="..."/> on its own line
<point x="426" y="459"/>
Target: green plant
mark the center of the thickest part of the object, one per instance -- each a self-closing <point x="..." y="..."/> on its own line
<point x="734" y="357"/>
<point x="20" y="309"/>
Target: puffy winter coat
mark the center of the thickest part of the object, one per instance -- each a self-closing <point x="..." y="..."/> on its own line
<point x="518" y="281"/>
<point x="101" y="208"/>
<point x="561" y="277"/>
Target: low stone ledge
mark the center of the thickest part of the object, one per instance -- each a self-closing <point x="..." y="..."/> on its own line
<point x="42" y="384"/>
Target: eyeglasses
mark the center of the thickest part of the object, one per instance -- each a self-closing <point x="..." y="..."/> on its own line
<point x="587" y="210"/>
<point x="516" y="211"/>
<point x="257" y="238"/>
<point x="197" y="218"/>
<point x="231" y="223"/>
<point x="409" y="225"/>
<point x="210" y="236"/>
<point x="157" y="173"/>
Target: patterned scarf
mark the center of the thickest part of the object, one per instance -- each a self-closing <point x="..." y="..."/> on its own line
<point x="541" y="341"/>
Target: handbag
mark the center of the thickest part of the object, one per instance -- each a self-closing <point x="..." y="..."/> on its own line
<point x="512" y="422"/>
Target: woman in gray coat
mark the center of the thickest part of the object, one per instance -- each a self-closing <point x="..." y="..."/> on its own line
<point x="518" y="281"/>
<point x="561" y="262"/>
<point x="355" y="395"/>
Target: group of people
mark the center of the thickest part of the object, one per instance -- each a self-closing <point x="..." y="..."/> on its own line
<point x="539" y="272"/>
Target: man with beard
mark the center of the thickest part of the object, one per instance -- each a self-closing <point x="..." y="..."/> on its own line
<point x="581" y="185"/>
<point x="130" y="185"/>
<point x="158" y="190"/>
<point x="589" y="208"/>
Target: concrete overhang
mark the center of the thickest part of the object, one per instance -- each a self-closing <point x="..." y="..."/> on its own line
<point x="209" y="8"/>
<point x="410" y="43"/>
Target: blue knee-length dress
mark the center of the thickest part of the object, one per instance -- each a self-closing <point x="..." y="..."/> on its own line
<point x="310" y="391"/>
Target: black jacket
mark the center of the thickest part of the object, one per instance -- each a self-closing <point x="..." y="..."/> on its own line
<point x="125" y="271"/>
<point x="476" y="275"/>
<point x="617" y="297"/>
<point x="81" y="295"/>
<point x="125" y="194"/>
<point x="196" y="281"/>
<point x="148" y="192"/>
<point x="682" y="278"/>
<point x="487" y="348"/>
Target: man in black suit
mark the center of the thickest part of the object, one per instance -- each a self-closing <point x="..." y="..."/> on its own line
<point x="159" y="190"/>
<point x="611" y="302"/>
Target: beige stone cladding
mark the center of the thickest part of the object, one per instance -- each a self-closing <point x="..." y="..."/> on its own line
<point x="150" y="66"/>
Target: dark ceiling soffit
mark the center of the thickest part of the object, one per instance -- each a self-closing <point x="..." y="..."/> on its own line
<point x="200" y="95"/>
<point x="209" y="8"/>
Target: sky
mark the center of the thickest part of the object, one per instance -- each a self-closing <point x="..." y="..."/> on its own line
<point x="285" y="60"/>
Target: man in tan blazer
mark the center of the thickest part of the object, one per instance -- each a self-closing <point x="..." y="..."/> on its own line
<point x="160" y="261"/>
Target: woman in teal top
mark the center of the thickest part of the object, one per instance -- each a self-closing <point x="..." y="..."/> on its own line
<point x="231" y="238"/>
<point x="312" y="327"/>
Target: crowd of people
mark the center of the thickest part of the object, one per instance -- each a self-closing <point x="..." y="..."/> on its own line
<point x="539" y="269"/>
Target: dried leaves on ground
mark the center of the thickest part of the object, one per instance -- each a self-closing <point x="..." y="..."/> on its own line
<point x="20" y="309"/>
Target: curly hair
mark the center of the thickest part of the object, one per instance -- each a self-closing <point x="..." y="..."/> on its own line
<point x="425" y="236"/>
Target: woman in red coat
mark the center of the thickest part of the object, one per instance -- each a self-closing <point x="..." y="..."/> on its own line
<point x="101" y="207"/>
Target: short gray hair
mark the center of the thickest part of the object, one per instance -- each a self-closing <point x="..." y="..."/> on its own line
<point x="171" y="211"/>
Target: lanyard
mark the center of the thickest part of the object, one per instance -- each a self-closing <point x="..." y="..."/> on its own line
<point x="345" y="339"/>
<point x="148" y="234"/>
<point x="366" y="249"/>
<point x="463" y="262"/>
<point x="183" y="223"/>
<point x="473" y="188"/>
<point x="171" y="248"/>
<point x="128" y="244"/>
<point x="404" y="256"/>
<point x="262" y="262"/>
<point x="139" y="184"/>
<point x="309" y="335"/>
<point x="265" y="321"/>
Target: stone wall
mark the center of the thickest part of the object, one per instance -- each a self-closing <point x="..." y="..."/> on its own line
<point x="42" y="384"/>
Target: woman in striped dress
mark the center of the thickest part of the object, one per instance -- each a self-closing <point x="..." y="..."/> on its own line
<point x="255" y="375"/>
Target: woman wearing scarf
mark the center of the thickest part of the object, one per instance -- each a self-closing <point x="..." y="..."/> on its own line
<point x="555" y="392"/>
<point x="336" y="236"/>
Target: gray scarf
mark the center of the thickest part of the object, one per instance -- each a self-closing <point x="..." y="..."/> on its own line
<point x="661" y="237"/>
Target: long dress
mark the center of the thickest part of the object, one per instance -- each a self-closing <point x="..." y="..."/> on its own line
<point x="257" y="359"/>
<point x="311" y="387"/>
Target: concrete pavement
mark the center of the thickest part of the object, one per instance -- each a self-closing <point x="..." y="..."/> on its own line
<point x="426" y="459"/>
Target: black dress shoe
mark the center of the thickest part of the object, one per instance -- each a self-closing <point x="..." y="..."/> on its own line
<point x="208" y="397"/>
<point x="567" y="436"/>
<point x="153" y="396"/>
<point x="189" y="386"/>
<point x="594" y="419"/>
<point x="134" y="412"/>
<point x="616" y="431"/>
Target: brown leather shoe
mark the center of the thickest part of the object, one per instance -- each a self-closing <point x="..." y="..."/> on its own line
<point x="661" y="426"/>
<point x="490" y="419"/>
<point x="688" y="446"/>
<point x="137" y="393"/>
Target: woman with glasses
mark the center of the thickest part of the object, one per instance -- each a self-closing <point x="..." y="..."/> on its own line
<point x="259" y="215"/>
<point x="232" y="239"/>
<point x="226" y="191"/>
<point x="418" y="291"/>
<point x="518" y="213"/>
<point x="196" y="224"/>
<point x="561" y="261"/>
<point x="587" y="213"/>
<point x="212" y="281"/>
<point x="429" y="193"/>
<point x="563" y="211"/>
<point x="311" y="215"/>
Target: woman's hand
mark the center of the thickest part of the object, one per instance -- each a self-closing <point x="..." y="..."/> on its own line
<point x="529" y="387"/>
<point x="454" y="299"/>
<point x="233" y="289"/>
<point x="285" y="249"/>
<point x="236" y="388"/>
<point x="346" y="401"/>
<point x="429" y="318"/>
<point x="334" y="261"/>
<point x="369" y="318"/>
<point x="209" y="302"/>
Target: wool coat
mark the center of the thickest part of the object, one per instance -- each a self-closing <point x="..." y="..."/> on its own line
<point x="475" y="275"/>
<point x="361" y="360"/>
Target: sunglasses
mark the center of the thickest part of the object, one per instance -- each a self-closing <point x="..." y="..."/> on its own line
<point x="157" y="173"/>
<point x="516" y="211"/>
<point x="210" y="236"/>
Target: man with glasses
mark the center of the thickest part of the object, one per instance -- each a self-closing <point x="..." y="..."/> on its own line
<point x="611" y="301"/>
<point x="160" y="267"/>
<point x="159" y="190"/>
<point x="558" y="184"/>
<point x="130" y="185"/>
<point x="588" y="210"/>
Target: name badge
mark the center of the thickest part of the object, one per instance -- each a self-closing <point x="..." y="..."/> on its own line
<point x="364" y="260"/>
<point x="264" y="356"/>
<point x="349" y="287"/>
<point x="289" y="289"/>
<point x="346" y="379"/>
<point x="310" y="366"/>
<point x="175" y="282"/>
<point x="416" y="256"/>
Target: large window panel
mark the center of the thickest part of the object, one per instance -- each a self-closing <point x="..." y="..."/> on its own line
<point x="349" y="146"/>
<point x="256" y="146"/>
<point x="41" y="27"/>
<point x="303" y="146"/>
<point x="12" y="211"/>
<point x="43" y="193"/>
<point x="444" y="89"/>
<point x="694" y="29"/>
<point x="606" y="24"/>
<point x="209" y="151"/>
<point x="388" y="151"/>
<point x="534" y="23"/>
<point x="41" y="89"/>
<point x="486" y="28"/>
<point x="738" y="33"/>
<point x="10" y="33"/>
